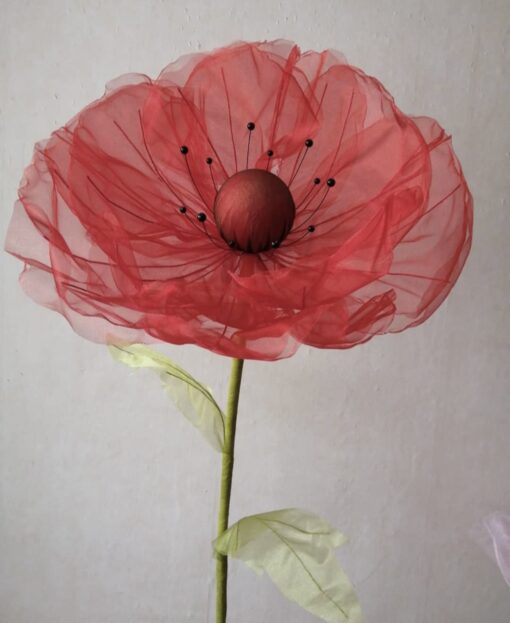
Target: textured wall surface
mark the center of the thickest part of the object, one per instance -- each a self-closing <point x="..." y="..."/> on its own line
<point x="108" y="496"/>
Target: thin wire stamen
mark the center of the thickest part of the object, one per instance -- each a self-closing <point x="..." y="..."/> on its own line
<point x="309" y="230"/>
<point x="329" y="184"/>
<point x="269" y="154"/>
<point x="316" y="182"/>
<point x="209" y="161"/>
<point x="251" y="126"/>
<point x="295" y="170"/>
<point x="184" y="152"/>
<point x="155" y="168"/>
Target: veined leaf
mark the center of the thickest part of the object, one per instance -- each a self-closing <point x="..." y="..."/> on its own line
<point x="194" y="400"/>
<point x="295" y="548"/>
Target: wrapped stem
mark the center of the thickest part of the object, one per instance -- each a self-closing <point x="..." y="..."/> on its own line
<point x="227" y="467"/>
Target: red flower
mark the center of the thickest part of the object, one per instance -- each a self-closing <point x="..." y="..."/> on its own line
<point x="247" y="201"/>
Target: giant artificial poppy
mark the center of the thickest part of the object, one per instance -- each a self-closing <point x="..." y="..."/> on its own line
<point x="247" y="200"/>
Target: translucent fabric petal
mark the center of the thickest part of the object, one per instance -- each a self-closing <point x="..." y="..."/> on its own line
<point x="115" y="219"/>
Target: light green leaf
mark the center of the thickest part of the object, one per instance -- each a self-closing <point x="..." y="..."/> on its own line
<point x="295" y="548"/>
<point x="194" y="400"/>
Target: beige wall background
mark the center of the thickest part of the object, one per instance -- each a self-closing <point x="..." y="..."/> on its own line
<point x="108" y="496"/>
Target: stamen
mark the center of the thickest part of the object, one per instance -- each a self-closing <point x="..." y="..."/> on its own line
<point x="184" y="152"/>
<point x="229" y="117"/>
<point x="295" y="171"/>
<point x="269" y="154"/>
<point x="183" y="210"/>
<point x="151" y="159"/>
<point x="329" y="184"/>
<point x="316" y="182"/>
<point x="309" y="230"/>
<point x="201" y="217"/>
<point x="209" y="161"/>
<point x="251" y="126"/>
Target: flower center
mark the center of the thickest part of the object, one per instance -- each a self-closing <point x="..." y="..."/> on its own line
<point x="254" y="210"/>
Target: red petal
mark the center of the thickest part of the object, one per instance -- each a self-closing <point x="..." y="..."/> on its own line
<point x="99" y="227"/>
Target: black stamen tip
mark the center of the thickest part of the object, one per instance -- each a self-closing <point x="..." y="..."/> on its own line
<point x="250" y="125"/>
<point x="182" y="209"/>
<point x="269" y="152"/>
<point x="308" y="142"/>
<point x="201" y="217"/>
<point x="275" y="244"/>
<point x="311" y="228"/>
<point x="317" y="180"/>
<point x="331" y="182"/>
<point x="184" y="150"/>
<point x="231" y="243"/>
<point x="208" y="160"/>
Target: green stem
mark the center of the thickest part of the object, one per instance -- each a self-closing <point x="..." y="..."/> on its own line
<point x="227" y="467"/>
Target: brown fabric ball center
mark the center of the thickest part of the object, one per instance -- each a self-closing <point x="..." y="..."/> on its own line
<point x="254" y="211"/>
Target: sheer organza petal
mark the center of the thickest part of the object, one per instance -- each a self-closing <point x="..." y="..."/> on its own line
<point x="251" y="83"/>
<point x="115" y="218"/>
<point x="428" y="258"/>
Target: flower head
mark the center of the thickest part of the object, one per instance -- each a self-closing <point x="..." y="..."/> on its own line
<point x="247" y="200"/>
